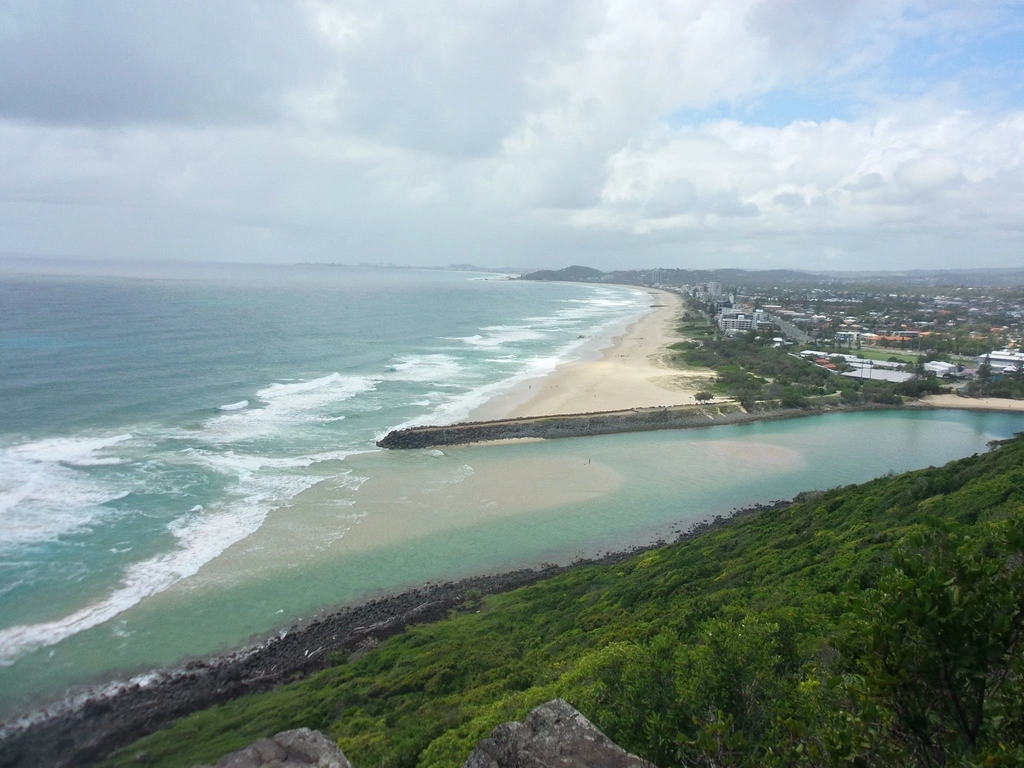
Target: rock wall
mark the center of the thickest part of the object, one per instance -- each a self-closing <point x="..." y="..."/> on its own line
<point x="605" y="423"/>
<point x="574" y="425"/>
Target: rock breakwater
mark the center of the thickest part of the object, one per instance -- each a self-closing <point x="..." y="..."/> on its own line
<point x="570" y="425"/>
<point x="606" y="423"/>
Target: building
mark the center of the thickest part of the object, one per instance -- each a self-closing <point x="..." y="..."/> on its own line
<point x="940" y="368"/>
<point x="735" y="321"/>
<point x="1006" y="360"/>
<point x="879" y="374"/>
<point x="732" y="321"/>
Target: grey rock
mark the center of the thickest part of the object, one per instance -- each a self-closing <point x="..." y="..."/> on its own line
<point x="301" y="748"/>
<point x="243" y="758"/>
<point x="269" y="750"/>
<point x="554" y="735"/>
<point x="313" y="748"/>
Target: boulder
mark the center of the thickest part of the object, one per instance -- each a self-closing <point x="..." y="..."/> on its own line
<point x="300" y="748"/>
<point x="554" y="735"/>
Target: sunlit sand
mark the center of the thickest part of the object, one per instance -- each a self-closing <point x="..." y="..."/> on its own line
<point x="633" y="372"/>
<point x="973" y="403"/>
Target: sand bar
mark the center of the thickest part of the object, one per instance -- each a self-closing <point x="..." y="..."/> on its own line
<point x="972" y="403"/>
<point x="632" y="372"/>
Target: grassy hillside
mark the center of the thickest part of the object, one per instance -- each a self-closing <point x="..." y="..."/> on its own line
<point x="876" y="624"/>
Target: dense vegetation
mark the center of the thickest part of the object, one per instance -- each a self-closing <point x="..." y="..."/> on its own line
<point x="574" y="273"/>
<point x="871" y="625"/>
<point x="989" y="384"/>
<point x="749" y="369"/>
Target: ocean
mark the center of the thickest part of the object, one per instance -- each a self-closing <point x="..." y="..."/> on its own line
<point x="188" y="463"/>
<point x="149" y="424"/>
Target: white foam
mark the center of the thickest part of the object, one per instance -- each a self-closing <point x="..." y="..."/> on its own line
<point x="69" y="450"/>
<point x="235" y="406"/>
<point x="499" y="335"/>
<point x="459" y="406"/>
<point x="201" y="536"/>
<point x="435" y="368"/>
<point x="45" y="491"/>
<point x="286" y="405"/>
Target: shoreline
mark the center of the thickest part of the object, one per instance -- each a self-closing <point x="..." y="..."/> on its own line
<point x="629" y="372"/>
<point x="89" y="725"/>
<point x="958" y="403"/>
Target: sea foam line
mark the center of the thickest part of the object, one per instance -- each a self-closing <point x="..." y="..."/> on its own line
<point x="201" y="537"/>
<point x="459" y="407"/>
<point x="44" y="491"/>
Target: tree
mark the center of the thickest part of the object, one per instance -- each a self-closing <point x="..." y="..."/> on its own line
<point x="944" y="636"/>
<point x="703" y="396"/>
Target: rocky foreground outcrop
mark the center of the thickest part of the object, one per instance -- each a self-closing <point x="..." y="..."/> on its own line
<point x="301" y="748"/>
<point x="554" y="735"/>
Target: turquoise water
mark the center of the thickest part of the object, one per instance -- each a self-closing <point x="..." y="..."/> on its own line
<point x="148" y="424"/>
<point x="187" y="464"/>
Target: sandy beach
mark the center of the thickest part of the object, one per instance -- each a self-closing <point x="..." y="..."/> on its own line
<point x="972" y="403"/>
<point x="632" y="372"/>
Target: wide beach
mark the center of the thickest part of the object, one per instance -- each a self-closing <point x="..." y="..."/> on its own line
<point x="633" y="371"/>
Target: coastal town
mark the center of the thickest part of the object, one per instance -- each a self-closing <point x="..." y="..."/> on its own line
<point x="968" y="337"/>
<point x="954" y="332"/>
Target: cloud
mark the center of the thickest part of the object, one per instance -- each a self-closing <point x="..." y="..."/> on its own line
<point x="958" y="170"/>
<point x="502" y="132"/>
<point x="119" y="61"/>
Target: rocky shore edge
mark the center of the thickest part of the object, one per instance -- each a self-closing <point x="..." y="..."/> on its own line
<point x="88" y="726"/>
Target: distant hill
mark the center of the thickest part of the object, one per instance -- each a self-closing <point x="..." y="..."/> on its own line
<point x="973" y="278"/>
<point x="739" y="277"/>
<point x="789" y="278"/>
<point x="576" y="274"/>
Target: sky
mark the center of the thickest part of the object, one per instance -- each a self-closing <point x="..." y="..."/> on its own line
<point x="804" y="134"/>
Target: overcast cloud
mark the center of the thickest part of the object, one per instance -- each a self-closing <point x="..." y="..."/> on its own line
<point x="753" y="133"/>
